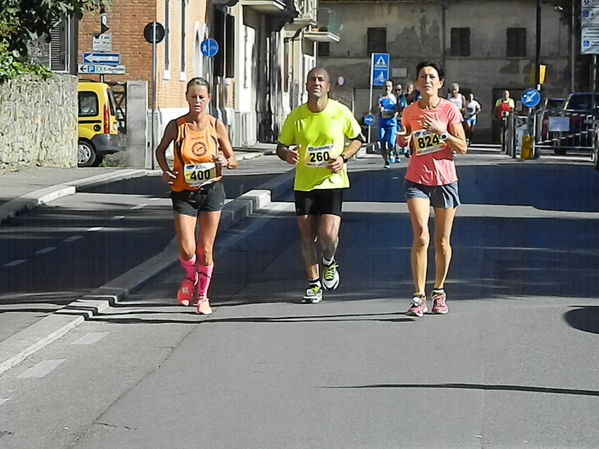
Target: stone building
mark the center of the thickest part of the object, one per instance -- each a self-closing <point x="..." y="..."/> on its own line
<point x="484" y="45"/>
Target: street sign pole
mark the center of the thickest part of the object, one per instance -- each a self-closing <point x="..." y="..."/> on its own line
<point x="152" y="130"/>
<point x="370" y="96"/>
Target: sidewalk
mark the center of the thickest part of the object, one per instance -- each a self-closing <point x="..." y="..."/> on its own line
<point x="26" y="331"/>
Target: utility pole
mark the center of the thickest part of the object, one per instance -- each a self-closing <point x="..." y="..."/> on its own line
<point x="538" y="48"/>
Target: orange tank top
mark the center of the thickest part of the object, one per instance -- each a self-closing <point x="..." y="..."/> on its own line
<point x="193" y="156"/>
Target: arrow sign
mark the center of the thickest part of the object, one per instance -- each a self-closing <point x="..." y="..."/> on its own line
<point x="102" y="69"/>
<point x="531" y="98"/>
<point x="102" y="58"/>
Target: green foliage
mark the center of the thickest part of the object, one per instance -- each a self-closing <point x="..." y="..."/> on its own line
<point x="12" y="67"/>
<point x="21" y="21"/>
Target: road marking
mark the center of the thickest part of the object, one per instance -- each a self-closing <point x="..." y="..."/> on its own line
<point x="3" y="400"/>
<point x="14" y="263"/>
<point x="46" y="250"/>
<point x="118" y="217"/>
<point x="73" y="238"/>
<point x="42" y="368"/>
<point x="138" y="206"/>
<point x="90" y="339"/>
<point x="95" y="228"/>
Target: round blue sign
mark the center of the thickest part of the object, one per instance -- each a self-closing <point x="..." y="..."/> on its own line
<point x="209" y="47"/>
<point x="531" y="98"/>
<point x="368" y="119"/>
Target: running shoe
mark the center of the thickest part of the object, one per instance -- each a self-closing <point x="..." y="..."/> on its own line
<point x="313" y="295"/>
<point x="203" y="306"/>
<point x="185" y="293"/>
<point x="386" y="166"/>
<point x="418" y="306"/>
<point x="439" y="305"/>
<point x="330" y="276"/>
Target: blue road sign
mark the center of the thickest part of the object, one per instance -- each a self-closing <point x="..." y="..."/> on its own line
<point x="531" y="98"/>
<point x="209" y="48"/>
<point x="379" y="70"/>
<point x="368" y="119"/>
<point x="102" y="58"/>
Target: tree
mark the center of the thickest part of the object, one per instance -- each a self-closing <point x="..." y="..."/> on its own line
<point x="22" y="21"/>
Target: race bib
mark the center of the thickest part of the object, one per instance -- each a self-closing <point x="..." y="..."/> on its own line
<point x="197" y="175"/>
<point x="426" y="142"/>
<point x="318" y="156"/>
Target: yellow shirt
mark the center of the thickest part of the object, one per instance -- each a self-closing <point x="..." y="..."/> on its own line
<point x="320" y="136"/>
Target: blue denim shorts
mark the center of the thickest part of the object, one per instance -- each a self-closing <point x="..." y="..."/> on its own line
<point x="441" y="197"/>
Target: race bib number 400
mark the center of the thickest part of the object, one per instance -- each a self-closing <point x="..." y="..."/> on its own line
<point x="426" y="142"/>
<point x="319" y="156"/>
<point x="197" y="175"/>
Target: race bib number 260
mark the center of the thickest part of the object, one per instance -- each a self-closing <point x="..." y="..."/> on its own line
<point x="318" y="156"/>
<point x="426" y="142"/>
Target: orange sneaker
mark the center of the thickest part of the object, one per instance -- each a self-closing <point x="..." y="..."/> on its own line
<point x="185" y="292"/>
<point x="203" y="306"/>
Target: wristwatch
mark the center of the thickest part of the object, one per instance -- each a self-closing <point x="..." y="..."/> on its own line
<point x="443" y="135"/>
<point x="344" y="157"/>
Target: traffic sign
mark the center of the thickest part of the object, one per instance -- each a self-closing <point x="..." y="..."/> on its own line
<point x="589" y="17"/>
<point x="102" y="58"/>
<point x="101" y="69"/>
<point x="154" y="32"/>
<point x="589" y="40"/>
<point x="379" y="68"/>
<point x="368" y="119"/>
<point x="531" y="98"/>
<point x="589" y="3"/>
<point x="102" y="42"/>
<point x="209" y="48"/>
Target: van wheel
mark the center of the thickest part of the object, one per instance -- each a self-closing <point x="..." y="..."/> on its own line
<point x="86" y="155"/>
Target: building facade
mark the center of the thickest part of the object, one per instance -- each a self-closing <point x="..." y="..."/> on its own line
<point x="485" y="46"/>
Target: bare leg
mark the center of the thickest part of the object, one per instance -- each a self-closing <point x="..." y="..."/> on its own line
<point x="443" y="225"/>
<point x="419" y="215"/>
<point x="308" y="230"/>
<point x="328" y="234"/>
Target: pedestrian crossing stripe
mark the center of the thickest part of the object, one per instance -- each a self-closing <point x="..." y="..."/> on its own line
<point x="381" y="63"/>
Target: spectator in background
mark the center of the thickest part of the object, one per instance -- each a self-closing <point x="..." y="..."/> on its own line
<point x="412" y="94"/>
<point x="504" y="106"/>
<point x="457" y="98"/>
<point x="472" y="109"/>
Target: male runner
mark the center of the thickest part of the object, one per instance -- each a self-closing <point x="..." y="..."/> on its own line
<point x="313" y="138"/>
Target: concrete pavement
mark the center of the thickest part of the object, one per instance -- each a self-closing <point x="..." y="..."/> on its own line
<point x="31" y="187"/>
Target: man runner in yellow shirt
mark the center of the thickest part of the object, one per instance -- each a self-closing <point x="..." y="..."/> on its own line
<point x="313" y="138"/>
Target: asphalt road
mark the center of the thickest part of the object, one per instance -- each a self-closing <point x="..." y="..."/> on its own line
<point x="515" y="364"/>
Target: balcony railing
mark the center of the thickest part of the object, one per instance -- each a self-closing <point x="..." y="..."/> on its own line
<point x="328" y="28"/>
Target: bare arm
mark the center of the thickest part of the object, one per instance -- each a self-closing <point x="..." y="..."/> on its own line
<point x="170" y="134"/>
<point x="287" y="154"/>
<point x="335" y="165"/>
<point x="225" y="145"/>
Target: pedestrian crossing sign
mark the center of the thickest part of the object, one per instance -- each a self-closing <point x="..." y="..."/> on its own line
<point x="379" y="68"/>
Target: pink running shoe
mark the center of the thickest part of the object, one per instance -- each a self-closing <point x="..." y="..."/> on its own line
<point x="418" y="307"/>
<point x="203" y="306"/>
<point x="185" y="293"/>
<point x="439" y="305"/>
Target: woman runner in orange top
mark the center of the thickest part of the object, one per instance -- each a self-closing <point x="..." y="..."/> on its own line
<point x="201" y="148"/>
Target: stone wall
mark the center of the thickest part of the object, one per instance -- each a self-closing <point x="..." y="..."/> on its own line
<point x="38" y="122"/>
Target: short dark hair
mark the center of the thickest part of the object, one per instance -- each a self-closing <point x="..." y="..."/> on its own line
<point x="319" y="69"/>
<point x="197" y="81"/>
<point x="432" y="64"/>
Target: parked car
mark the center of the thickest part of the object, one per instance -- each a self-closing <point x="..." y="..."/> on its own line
<point x="580" y="112"/>
<point x="551" y="107"/>
<point x="97" y="123"/>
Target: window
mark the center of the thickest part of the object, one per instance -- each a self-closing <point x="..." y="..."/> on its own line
<point x="183" y="22"/>
<point x="88" y="104"/>
<point x="54" y="53"/>
<point x="516" y="42"/>
<point x="167" y="49"/>
<point x="376" y="40"/>
<point x="460" y="42"/>
<point x="324" y="48"/>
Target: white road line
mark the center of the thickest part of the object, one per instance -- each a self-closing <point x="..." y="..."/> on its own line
<point x="73" y="238"/>
<point x="95" y="228"/>
<point x="138" y="206"/>
<point x="118" y="217"/>
<point x="46" y="250"/>
<point x="42" y="368"/>
<point x="3" y="400"/>
<point x="90" y="338"/>
<point x="14" y="263"/>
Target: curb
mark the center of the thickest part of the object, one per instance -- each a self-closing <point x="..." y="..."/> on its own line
<point x="21" y="345"/>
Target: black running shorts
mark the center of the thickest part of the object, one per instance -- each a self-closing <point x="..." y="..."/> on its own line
<point x="210" y="198"/>
<point x="319" y="202"/>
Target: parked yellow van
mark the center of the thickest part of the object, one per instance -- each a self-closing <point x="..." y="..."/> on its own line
<point x="98" y="124"/>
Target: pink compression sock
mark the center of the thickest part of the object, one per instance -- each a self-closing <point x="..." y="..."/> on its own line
<point x="188" y="267"/>
<point x="204" y="277"/>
